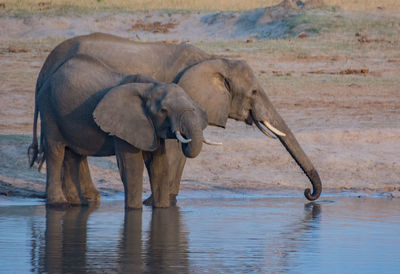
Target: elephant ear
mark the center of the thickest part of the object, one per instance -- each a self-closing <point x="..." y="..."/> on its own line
<point x="207" y="85"/>
<point x="122" y="113"/>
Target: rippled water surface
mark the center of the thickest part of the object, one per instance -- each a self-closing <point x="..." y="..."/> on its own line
<point x="208" y="232"/>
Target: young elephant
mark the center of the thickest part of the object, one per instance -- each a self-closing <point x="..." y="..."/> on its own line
<point x="111" y="114"/>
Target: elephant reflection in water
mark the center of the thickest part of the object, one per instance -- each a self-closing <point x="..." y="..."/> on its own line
<point x="130" y="246"/>
<point x="167" y="245"/>
<point x="164" y="248"/>
<point x="65" y="239"/>
<point x="294" y="238"/>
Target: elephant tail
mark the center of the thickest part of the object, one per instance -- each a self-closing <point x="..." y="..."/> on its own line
<point x="35" y="154"/>
<point x="41" y="156"/>
<point x="33" y="149"/>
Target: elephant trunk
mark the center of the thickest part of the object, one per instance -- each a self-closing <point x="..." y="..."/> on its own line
<point x="293" y="147"/>
<point x="193" y="131"/>
<point x="193" y="148"/>
<point x="279" y="129"/>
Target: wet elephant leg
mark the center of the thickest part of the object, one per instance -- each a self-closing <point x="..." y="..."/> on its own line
<point x="147" y="157"/>
<point x="130" y="165"/>
<point x="71" y="183"/>
<point x="177" y="161"/>
<point x="54" y="153"/>
<point x="175" y="164"/>
<point x="157" y="168"/>
<point x="72" y="179"/>
<point x="89" y="190"/>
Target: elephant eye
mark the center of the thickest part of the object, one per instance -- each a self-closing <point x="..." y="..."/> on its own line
<point x="227" y="84"/>
<point x="254" y="92"/>
<point x="163" y="110"/>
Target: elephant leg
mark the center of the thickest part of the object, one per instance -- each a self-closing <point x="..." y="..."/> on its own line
<point x="157" y="168"/>
<point x="175" y="164"/>
<point x="89" y="190"/>
<point x="71" y="179"/>
<point x="54" y="153"/>
<point x="130" y="164"/>
<point x="176" y="160"/>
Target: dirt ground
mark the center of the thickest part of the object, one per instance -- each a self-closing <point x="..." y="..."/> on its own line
<point x="333" y="75"/>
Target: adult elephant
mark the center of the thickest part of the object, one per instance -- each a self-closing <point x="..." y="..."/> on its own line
<point x="224" y="88"/>
<point x="88" y="109"/>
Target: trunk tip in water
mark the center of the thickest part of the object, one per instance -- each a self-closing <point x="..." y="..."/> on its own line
<point x="317" y="186"/>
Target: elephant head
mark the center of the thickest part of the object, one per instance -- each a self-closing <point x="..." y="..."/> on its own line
<point x="140" y="113"/>
<point x="237" y="94"/>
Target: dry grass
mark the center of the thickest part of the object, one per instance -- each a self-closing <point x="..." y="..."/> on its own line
<point x="22" y="7"/>
<point x="366" y="5"/>
<point x="101" y="5"/>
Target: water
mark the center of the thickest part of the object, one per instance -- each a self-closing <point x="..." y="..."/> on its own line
<point x="209" y="232"/>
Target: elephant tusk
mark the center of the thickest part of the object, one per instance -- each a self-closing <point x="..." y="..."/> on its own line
<point x="274" y="130"/>
<point x="266" y="131"/>
<point x="181" y="138"/>
<point x="211" y="143"/>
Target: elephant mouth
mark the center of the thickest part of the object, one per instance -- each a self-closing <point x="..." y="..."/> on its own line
<point x="265" y="127"/>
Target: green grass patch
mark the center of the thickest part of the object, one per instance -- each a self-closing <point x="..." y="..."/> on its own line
<point x="311" y="21"/>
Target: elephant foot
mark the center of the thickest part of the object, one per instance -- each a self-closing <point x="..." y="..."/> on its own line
<point x="93" y="204"/>
<point x="150" y="202"/>
<point x="73" y="197"/>
<point x="172" y="199"/>
<point x="56" y="198"/>
<point x="59" y="206"/>
<point x="133" y="206"/>
<point x="78" y="202"/>
<point x="92" y="196"/>
<point x="58" y="203"/>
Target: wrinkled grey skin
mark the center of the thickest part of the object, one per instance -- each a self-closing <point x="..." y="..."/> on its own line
<point x="224" y="89"/>
<point x="88" y="109"/>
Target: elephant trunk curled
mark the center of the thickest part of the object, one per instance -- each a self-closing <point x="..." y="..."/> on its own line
<point x="292" y="146"/>
<point x="191" y="129"/>
<point x="265" y="113"/>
